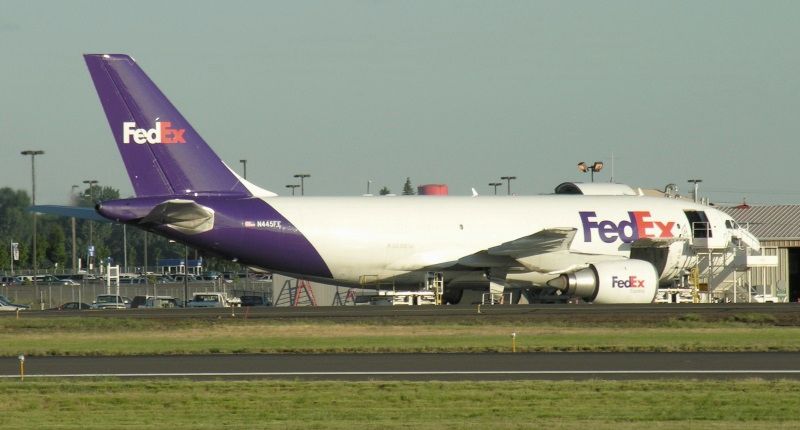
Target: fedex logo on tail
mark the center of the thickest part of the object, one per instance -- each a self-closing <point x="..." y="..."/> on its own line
<point x="163" y="133"/>
<point x="638" y="225"/>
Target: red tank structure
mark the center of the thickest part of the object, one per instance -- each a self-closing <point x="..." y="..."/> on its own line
<point x="433" y="190"/>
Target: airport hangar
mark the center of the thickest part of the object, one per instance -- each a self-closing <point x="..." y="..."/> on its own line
<point x="777" y="227"/>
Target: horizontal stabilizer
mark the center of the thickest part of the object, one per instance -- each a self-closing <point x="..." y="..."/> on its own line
<point x="185" y="216"/>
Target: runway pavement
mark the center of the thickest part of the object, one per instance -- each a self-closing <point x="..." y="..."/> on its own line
<point x="420" y="367"/>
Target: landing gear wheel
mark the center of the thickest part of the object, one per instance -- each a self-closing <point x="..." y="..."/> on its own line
<point x="452" y="296"/>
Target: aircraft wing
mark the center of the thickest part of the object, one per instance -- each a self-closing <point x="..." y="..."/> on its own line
<point x="541" y="242"/>
<point x="509" y="254"/>
<point x="537" y="251"/>
<point x="69" y="211"/>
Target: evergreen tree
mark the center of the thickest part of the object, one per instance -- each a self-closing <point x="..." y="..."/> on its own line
<point x="15" y="226"/>
<point x="384" y="191"/>
<point x="408" y="189"/>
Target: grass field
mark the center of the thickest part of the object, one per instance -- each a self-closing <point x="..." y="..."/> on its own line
<point x="178" y="404"/>
<point x="120" y="336"/>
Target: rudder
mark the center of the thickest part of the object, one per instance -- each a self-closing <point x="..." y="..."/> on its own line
<point x="163" y="154"/>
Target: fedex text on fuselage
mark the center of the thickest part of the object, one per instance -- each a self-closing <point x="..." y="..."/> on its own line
<point x="638" y="225"/>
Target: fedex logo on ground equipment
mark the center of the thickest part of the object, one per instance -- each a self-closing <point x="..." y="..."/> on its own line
<point x="638" y="225"/>
<point x="163" y="133"/>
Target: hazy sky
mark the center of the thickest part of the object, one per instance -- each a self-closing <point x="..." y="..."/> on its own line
<point x="454" y="92"/>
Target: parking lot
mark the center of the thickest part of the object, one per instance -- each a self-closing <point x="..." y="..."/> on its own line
<point x="51" y="292"/>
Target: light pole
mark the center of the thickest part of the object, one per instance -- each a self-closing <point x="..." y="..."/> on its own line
<point x="695" y="182"/>
<point x="185" y="276"/>
<point x="495" y="185"/>
<point x="596" y="167"/>
<point x="244" y="163"/>
<point x="90" y="258"/>
<point x="292" y="186"/>
<point x="508" y="179"/>
<point x="125" y="247"/>
<point x="73" y="200"/>
<point x="302" y="176"/>
<point x="369" y="182"/>
<point x="145" y="253"/>
<point x="33" y="154"/>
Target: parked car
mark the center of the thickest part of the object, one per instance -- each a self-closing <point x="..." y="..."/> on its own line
<point x="162" y="278"/>
<point x="189" y="278"/>
<point x="71" y="306"/>
<point x="363" y="300"/>
<point x="111" y="301"/>
<point x="6" y="300"/>
<point x="6" y="305"/>
<point x="261" y="277"/>
<point x="213" y="300"/>
<point x="79" y="277"/>
<point x="53" y="280"/>
<point x="138" y="301"/>
<point x="68" y="282"/>
<point x="255" y="301"/>
<point x="6" y="281"/>
<point x="765" y="298"/>
<point x="161" y="302"/>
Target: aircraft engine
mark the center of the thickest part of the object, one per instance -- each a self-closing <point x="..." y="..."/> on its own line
<point x="629" y="281"/>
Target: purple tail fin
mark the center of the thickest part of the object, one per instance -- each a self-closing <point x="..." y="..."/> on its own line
<point x="163" y="154"/>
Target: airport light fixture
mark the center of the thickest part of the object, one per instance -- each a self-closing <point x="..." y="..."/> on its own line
<point x="302" y="176"/>
<point x="695" y="182"/>
<point x="33" y="153"/>
<point x="495" y="185"/>
<point x="73" y="198"/>
<point x="90" y="258"/>
<point x="508" y="179"/>
<point x="292" y="186"/>
<point x="596" y="167"/>
<point x="244" y="163"/>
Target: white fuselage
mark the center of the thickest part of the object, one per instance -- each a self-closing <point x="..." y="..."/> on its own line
<point x="384" y="237"/>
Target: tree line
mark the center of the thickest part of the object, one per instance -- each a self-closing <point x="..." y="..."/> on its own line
<point x="54" y="237"/>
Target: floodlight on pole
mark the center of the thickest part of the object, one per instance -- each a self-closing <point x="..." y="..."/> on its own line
<point x="508" y="179"/>
<point x="495" y="185"/>
<point x="596" y="167"/>
<point x="73" y="198"/>
<point x="90" y="258"/>
<point x="293" y="186"/>
<point x="302" y="176"/>
<point x="695" y="182"/>
<point x="33" y="153"/>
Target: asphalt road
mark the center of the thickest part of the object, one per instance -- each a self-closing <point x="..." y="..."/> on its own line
<point x="590" y="312"/>
<point x="420" y="367"/>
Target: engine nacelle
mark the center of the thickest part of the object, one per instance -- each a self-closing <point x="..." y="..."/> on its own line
<point x="629" y="281"/>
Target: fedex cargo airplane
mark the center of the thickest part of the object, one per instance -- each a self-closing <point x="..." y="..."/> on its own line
<point x="602" y="248"/>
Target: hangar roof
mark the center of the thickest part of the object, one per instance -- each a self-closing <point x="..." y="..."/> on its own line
<point x="768" y="222"/>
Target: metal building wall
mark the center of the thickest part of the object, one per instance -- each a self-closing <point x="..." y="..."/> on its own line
<point x="772" y="276"/>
